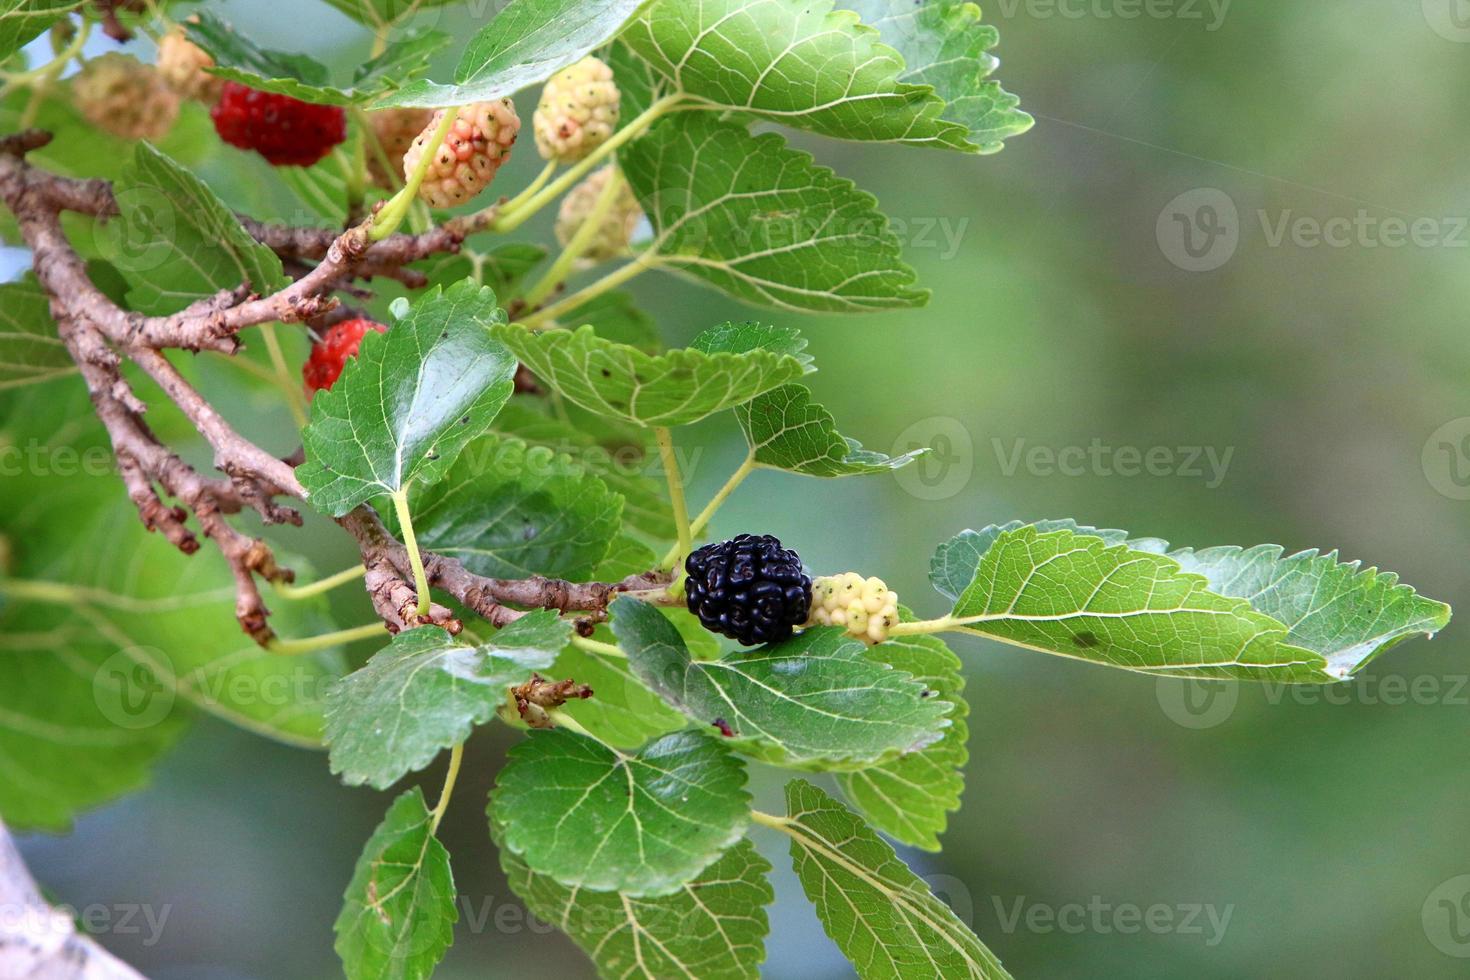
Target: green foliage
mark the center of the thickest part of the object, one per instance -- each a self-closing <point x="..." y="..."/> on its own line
<point x="23" y="20"/>
<point x="30" y="351"/>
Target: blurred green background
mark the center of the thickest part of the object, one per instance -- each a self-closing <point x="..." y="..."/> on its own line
<point x="1329" y="376"/>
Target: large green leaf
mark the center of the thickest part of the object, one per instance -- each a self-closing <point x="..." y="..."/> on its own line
<point x="410" y="401"/>
<point x="176" y="242"/>
<point x="762" y="221"/>
<point x="882" y="916"/>
<point x="642" y="823"/>
<point x="21" y="21"/>
<point x="1095" y="595"/>
<point x="909" y="798"/>
<point x="713" y="928"/>
<point x="945" y="45"/>
<point x="797" y="62"/>
<point x="426" y="691"/>
<point x="508" y="510"/>
<point x="622" y="711"/>
<point x="673" y="388"/>
<point x="815" y="701"/>
<point x="30" y="350"/>
<point x="523" y="45"/>
<point x="398" y="913"/>
<point x="302" y="77"/>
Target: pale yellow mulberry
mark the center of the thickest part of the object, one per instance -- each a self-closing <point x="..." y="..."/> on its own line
<point x="577" y="112"/>
<point x="616" y="228"/>
<point x="865" y="607"/>
<point x="121" y="95"/>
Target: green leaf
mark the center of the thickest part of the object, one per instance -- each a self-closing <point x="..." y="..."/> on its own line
<point x="945" y="45"/>
<point x="410" y="401"/>
<point x="642" y="823"/>
<point x="508" y="510"/>
<point x="909" y="798"/>
<point x="523" y="45"/>
<point x="816" y="701"/>
<point x="882" y="916"/>
<point x="615" y="317"/>
<point x="426" y="691"/>
<point x="22" y="21"/>
<point x="714" y="927"/>
<point x="1097" y="596"/>
<point x="794" y="62"/>
<point x="399" y="912"/>
<point x="30" y="350"/>
<point x="762" y="221"/>
<point x="788" y="431"/>
<point x="385" y="13"/>
<point x="674" y="388"/>
<point x="302" y="77"/>
<point x="503" y="268"/>
<point x="621" y="712"/>
<point x="176" y="242"/>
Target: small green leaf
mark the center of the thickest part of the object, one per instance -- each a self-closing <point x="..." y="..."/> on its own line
<point x="882" y="916"/>
<point x="788" y="61"/>
<point x="176" y="242"/>
<point x="641" y="823"/>
<point x="909" y="798"/>
<point x="302" y="77"/>
<point x="816" y="701"/>
<point x="763" y="222"/>
<point x="945" y="45"/>
<point x="398" y="914"/>
<point x="30" y="350"/>
<point x="1095" y="595"/>
<point x="788" y="431"/>
<point x="22" y="21"/>
<point x="426" y="691"/>
<point x="615" y="317"/>
<point x="674" y="388"/>
<point x="379" y="14"/>
<point x="508" y="510"/>
<point x="410" y="401"/>
<point x="714" y="927"/>
<point x="521" y="46"/>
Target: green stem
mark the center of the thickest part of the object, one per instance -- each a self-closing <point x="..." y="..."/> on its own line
<point x="530" y="189"/>
<point x="561" y="719"/>
<point x="580" y="240"/>
<point x="698" y="525"/>
<point x="782" y="824"/>
<point x="456" y="758"/>
<point x="588" y="293"/>
<point x="676" y="491"/>
<point x="295" y="401"/>
<point x="387" y="220"/>
<point x="287" y="591"/>
<point x="508" y="219"/>
<point x="598" y="647"/>
<point x="311" y="644"/>
<point x="405" y="521"/>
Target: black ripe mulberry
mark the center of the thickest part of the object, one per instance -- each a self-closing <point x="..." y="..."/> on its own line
<point x="748" y="588"/>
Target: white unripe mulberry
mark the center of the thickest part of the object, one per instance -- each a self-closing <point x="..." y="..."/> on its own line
<point x="578" y="111"/>
<point x="395" y="130"/>
<point x="865" y="607"/>
<point x="479" y="141"/>
<point x="182" y="64"/>
<point x="121" y="95"/>
<point x="615" y="229"/>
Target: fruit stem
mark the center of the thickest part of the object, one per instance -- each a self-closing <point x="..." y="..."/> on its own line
<point x="387" y="220"/>
<point x="676" y="492"/>
<point x="322" y="641"/>
<point x="579" y="242"/>
<point x="940" y="625"/>
<point x="561" y="719"/>
<point x="597" y="646"/>
<point x="530" y="189"/>
<point x="770" y="820"/>
<point x="702" y="521"/>
<point x="293" y="592"/>
<point x="510" y="218"/>
<point x="295" y="401"/>
<point x="405" y="521"/>
<point x="586" y="294"/>
<point x="456" y="758"/>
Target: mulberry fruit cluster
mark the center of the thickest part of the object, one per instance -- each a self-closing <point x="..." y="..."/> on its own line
<point x="182" y="64"/>
<point x="329" y="355"/>
<point x="615" y="229"/>
<point x="577" y="112"/>
<point x="865" y="607"/>
<point x="395" y="130"/>
<point x="748" y="588"/>
<point x="120" y="95"/>
<point x="286" y="131"/>
<point x="478" y="142"/>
